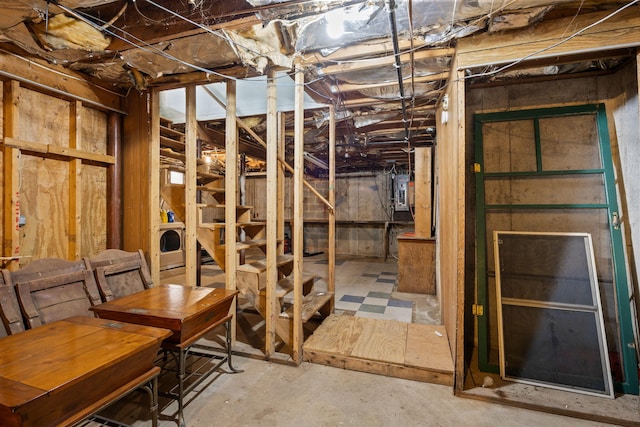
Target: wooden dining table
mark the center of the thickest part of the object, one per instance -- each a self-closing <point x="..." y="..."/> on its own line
<point x="65" y="371"/>
<point x="189" y="312"/>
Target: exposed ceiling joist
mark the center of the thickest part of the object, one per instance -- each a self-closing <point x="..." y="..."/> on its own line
<point x="368" y="63"/>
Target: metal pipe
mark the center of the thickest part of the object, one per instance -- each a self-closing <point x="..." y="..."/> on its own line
<point x="398" y="64"/>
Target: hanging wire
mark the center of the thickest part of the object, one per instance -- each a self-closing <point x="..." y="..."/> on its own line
<point x="558" y="43"/>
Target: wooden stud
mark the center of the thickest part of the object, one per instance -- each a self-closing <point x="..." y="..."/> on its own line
<point x="231" y="188"/>
<point x="272" y="212"/>
<point x="456" y="330"/>
<point x="154" y="188"/>
<point x="191" y="155"/>
<point x="281" y="183"/>
<point x="331" y="284"/>
<point x="75" y="180"/>
<point x="298" y="214"/>
<point x="11" y="175"/>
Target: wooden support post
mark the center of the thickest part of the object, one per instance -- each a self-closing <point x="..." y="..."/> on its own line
<point x="423" y="191"/>
<point x="272" y="212"/>
<point x="231" y="188"/>
<point x="11" y="185"/>
<point x="75" y="182"/>
<point x="154" y="188"/>
<point x="331" y="284"/>
<point x="114" y="182"/>
<point x="298" y="213"/>
<point x="191" y="148"/>
<point x="281" y="183"/>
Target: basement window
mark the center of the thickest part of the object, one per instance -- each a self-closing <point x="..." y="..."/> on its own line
<point x="176" y="178"/>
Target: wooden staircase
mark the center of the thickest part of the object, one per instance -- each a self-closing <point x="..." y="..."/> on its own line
<point x="210" y="232"/>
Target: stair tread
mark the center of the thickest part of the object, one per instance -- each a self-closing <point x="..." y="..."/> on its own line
<point x="218" y="205"/>
<point x="261" y="265"/>
<point x="208" y="175"/>
<point x="165" y="130"/>
<point x="168" y="152"/>
<point x="285" y="285"/>
<point x="172" y="143"/>
<point x="310" y="305"/>
<point x="216" y="225"/>
<point x="240" y="246"/>
<point x="210" y="189"/>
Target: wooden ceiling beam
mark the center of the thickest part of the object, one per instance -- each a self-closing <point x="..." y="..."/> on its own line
<point x="367" y="64"/>
<point x="551" y="39"/>
<point x="372" y="48"/>
<point x="350" y="87"/>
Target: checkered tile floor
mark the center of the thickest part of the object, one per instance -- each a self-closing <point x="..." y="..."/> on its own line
<point x="361" y="301"/>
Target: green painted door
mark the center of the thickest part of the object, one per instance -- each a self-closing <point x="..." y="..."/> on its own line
<point x="551" y="170"/>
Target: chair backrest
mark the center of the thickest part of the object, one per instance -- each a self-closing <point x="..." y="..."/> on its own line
<point x="119" y="273"/>
<point x="10" y="316"/>
<point x="52" y="289"/>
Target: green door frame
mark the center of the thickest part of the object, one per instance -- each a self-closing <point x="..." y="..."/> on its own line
<point x="625" y="321"/>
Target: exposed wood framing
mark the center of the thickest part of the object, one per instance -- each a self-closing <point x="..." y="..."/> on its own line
<point x="350" y="87"/>
<point x="281" y="183"/>
<point x="372" y="49"/>
<point x="75" y="182"/>
<point x="455" y="321"/>
<point x="153" y="201"/>
<point x="298" y="214"/>
<point x="272" y="212"/>
<point x="551" y="39"/>
<point x="383" y="61"/>
<point x="281" y="159"/>
<point x="114" y="182"/>
<point x="58" y="81"/>
<point x="58" y="150"/>
<point x="331" y="283"/>
<point x="231" y="200"/>
<point x="191" y="154"/>
<point x="11" y="176"/>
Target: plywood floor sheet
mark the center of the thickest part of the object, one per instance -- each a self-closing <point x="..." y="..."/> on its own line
<point x="387" y="347"/>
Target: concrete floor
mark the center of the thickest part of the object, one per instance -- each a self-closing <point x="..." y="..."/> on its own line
<point x="270" y="394"/>
<point x="276" y="394"/>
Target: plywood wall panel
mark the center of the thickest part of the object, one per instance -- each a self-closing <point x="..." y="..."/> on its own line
<point x="44" y="201"/>
<point x="93" y="210"/>
<point x="43" y="119"/>
<point x="93" y="137"/>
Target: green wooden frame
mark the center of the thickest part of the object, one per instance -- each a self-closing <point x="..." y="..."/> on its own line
<point x="625" y="321"/>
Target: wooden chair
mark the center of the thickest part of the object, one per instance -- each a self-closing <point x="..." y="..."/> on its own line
<point x="119" y="273"/>
<point x="52" y="289"/>
<point x="10" y="316"/>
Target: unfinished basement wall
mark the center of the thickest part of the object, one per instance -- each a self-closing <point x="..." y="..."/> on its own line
<point x="624" y="112"/>
<point x="619" y="93"/>
<point x="58" y="193"/>
<point x="364" y="224"/>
